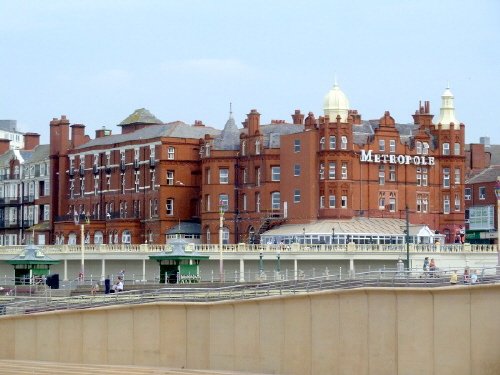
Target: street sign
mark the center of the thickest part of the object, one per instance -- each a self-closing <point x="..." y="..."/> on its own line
<point x="488" y="235"/>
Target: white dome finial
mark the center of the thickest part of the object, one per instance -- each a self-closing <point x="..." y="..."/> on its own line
<point x="447" y="112"/>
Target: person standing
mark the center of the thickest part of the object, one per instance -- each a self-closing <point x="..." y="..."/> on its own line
<point x="426" y="265"/>
<point x="432" y="267"/>
<point x="454" y="278"/>
<point x="466" y="276"/>
<point x="473" y="277"/>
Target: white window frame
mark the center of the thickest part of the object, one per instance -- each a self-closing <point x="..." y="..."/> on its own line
<point x="392" y="146"/>
<point x="446" y="148"/>
<point x="333" y="142"/>
<point x="296" y="196"/>
<point x="171" y="153"/>
<point x="296" y="170"/>
<point x="275" y="200"/>
<point x="170" y="177"/>
<point x="169" y="207"/>
<point x="343" y="143"/>
<point x="332" y="201"/>
<point x="275" y="173"/>
<point x="223" y="176"/>
<point x="296" y="145"/>
<point x="381" y="145"/>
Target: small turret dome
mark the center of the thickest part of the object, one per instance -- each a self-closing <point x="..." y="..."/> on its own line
<point x="335" y="104"/>
<point x="447" y="113"/>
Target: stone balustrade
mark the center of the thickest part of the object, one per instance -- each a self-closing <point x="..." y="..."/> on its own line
<point x="245" y="248"/>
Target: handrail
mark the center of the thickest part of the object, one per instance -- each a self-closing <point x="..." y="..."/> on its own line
<point x="377" y="279"/>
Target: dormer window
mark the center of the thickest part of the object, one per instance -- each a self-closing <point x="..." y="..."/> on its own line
<point x="207" y="150"/>
<point x="243" y="148"/>
<point x="257" y="147"/>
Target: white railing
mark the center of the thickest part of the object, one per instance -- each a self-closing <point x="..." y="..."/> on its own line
<point x="245" y="248"/>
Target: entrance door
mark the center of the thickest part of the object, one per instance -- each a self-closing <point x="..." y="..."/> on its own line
<point x="168" y="274"/>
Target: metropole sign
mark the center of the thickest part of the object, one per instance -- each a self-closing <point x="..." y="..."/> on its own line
<point x="368" y="157"/>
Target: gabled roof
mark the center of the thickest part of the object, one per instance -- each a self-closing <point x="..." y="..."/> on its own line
<point x="489" y="174"/>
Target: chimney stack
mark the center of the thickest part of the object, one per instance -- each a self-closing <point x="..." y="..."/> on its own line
<point x="102" y="132"/>
<point x="298" y="118"/>
<point x="253" y="120"/>
<point x="31" y="140"/>
<point x="4" y="145"/>
<point x="77" y="134"/>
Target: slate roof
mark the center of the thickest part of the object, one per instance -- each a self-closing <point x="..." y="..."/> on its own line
<point x="177" y="129"/>
<point x="40" y="153"/>
<point x="229" y="138"/>
<point x="10" y="154"/>
<point x="489" y="174"/>
<point x="185" y="228"/>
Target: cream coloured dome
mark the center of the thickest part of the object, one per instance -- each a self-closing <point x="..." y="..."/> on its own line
<point x="335" y="104"/>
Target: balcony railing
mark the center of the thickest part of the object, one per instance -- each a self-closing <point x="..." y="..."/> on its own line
<point x="28" y="199"/>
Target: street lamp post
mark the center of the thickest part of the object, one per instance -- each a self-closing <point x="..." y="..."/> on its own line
<point x="497" y="193"/>
<point x="303" y="236"/>
<point x="221" y="230"/>
<point x="407" y="239"/>
<point x="82" y="244"/>
<point x="278" y="262"/>
<point x="333" y="235"/>
<point x="261" y="264"/>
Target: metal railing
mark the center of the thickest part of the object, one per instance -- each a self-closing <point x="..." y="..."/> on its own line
<point x="374" y="279"/>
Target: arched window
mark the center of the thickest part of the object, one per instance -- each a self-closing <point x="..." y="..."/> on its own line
<point x="275" y="200"/>
<point x="98" y="238"/>
<point x="207" y="233"/>
<point x="251" y="235"/>
<point x="126" y="237"/>
<point x="225" y="235"/>
<point x="71" y="239"/>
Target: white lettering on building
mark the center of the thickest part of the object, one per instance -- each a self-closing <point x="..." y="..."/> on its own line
<point x="369" y="157"/>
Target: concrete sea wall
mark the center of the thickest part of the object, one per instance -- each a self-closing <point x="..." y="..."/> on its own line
<point x="452" y="330"/>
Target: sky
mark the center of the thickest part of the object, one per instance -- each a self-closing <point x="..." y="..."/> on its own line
<point x="98" y="61"/>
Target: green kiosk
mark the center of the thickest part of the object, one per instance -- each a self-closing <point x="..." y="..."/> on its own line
<point x="177" y="266"/>
<point x="31" y="265"/>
